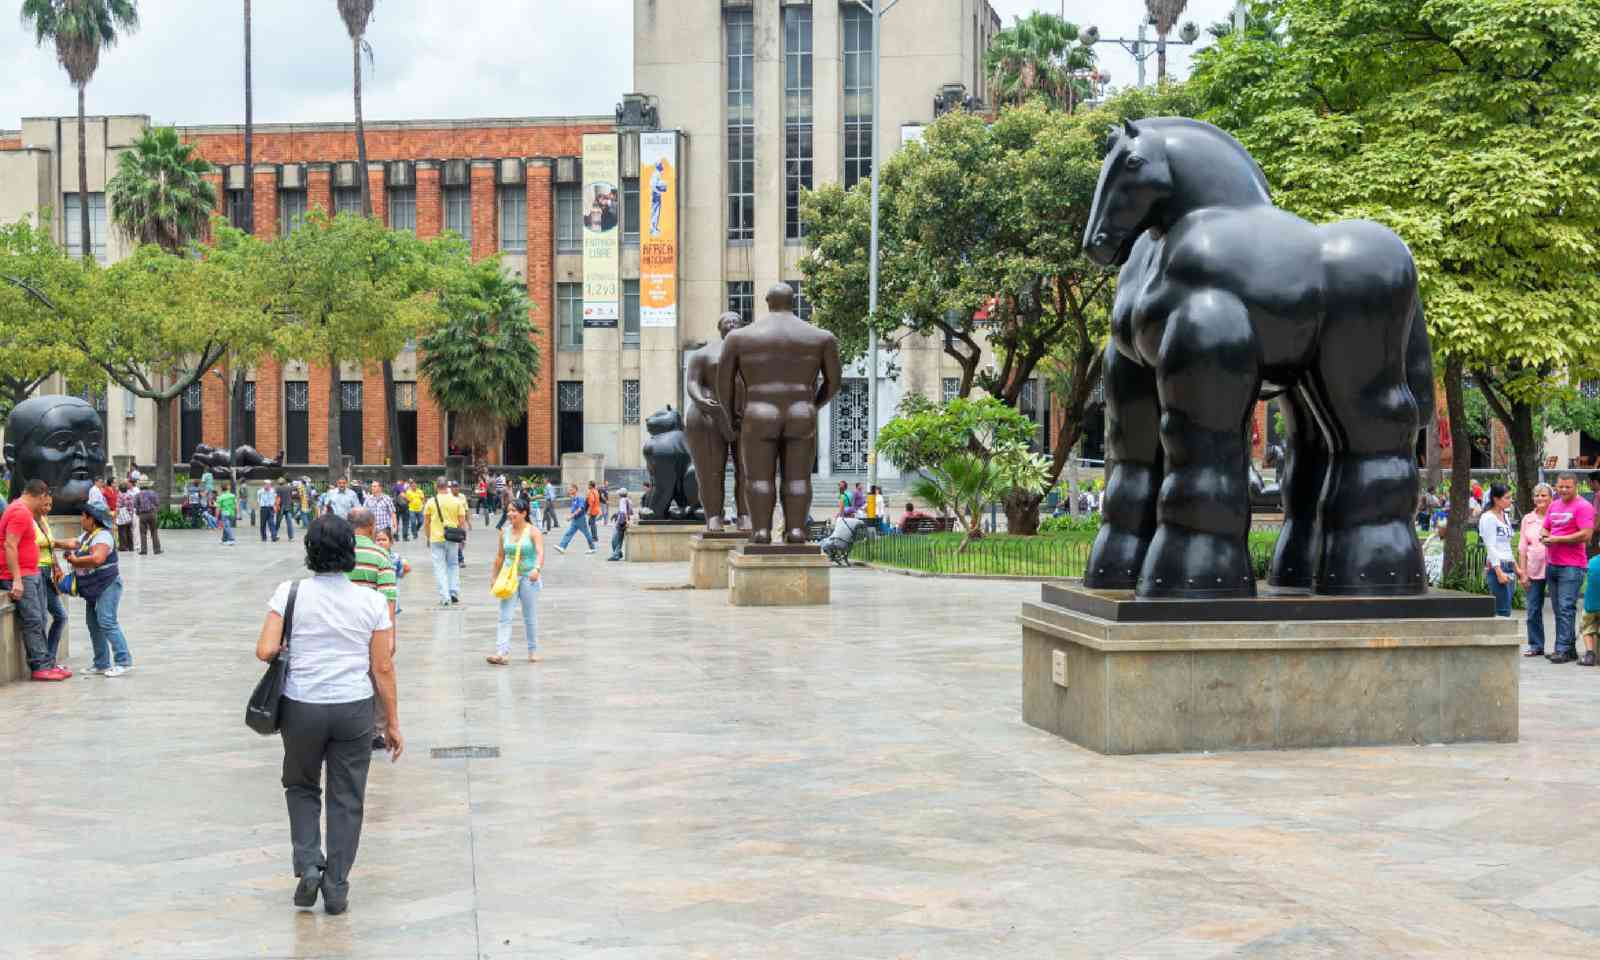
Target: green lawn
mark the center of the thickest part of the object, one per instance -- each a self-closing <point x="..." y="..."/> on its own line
<point x="1001" y="554"/>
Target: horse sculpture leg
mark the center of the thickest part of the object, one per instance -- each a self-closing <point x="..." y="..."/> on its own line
<point x="1134" y="459"/>
<point x="1208" y="374"/>
<point x="1305" y="470"/>
<point x="1369" y="544"/>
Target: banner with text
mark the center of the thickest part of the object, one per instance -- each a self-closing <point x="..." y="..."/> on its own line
<point x="602" y="211"/>
<point x="658" y="240"/>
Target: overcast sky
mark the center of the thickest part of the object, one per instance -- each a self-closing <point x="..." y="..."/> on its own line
<point x="432" y="59"/>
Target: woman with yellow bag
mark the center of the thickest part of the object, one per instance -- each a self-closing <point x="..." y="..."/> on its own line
<point x="516" y="581"/>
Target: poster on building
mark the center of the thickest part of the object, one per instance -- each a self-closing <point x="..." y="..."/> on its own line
<point x="602" y="213"/>
<point x="658" y="240"/>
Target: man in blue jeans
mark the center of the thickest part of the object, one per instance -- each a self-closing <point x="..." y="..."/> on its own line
<point x="579" y="522"/>
<point x="267" y="506"/>
<point x="1568" y="526"/>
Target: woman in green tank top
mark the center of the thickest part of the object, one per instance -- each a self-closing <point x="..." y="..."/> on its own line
<point x="520" y="543"/>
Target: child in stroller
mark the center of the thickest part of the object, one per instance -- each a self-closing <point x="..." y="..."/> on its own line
<point x="846" y="533"/>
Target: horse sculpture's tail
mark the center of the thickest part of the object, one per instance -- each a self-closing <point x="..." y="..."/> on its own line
<point x="1419" y="366"/>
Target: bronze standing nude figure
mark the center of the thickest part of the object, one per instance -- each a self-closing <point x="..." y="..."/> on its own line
<point x="789" y="369"/>
<point x="711" y="435"/>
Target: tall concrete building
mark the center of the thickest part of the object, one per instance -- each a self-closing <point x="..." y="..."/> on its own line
<point x="773" y="97"/>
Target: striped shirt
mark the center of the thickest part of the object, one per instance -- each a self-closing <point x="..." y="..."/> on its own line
<point x="374" y="568"/>
<point x="382" y="512"/>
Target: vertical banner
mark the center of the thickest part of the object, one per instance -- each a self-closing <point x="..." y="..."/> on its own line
<point x="601" y="232"/>
<point x="658" y="240"/>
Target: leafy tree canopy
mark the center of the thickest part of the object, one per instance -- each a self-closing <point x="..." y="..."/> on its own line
<point x="37" y="282"/>
<point x="160" y="193"/>
<point x="923" y="433"/>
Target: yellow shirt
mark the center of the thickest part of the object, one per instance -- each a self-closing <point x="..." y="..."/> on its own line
<point x="453" y="510"/>
<point x="872" y="506"/>
<point x="414" y="500"/>
<point x="41" y="536"/>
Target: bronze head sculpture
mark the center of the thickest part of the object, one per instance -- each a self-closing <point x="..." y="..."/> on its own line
<point x="61" y="441"/>
<point x="789" y="369"/>
<point x="711" y="436"/>
<point x="1223" y="299"/>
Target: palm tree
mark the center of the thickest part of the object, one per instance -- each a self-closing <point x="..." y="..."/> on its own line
<point x="1039" y="54"/>
<point x="1164" y="14"/>
<point x="249" y="133"/>
<point x="356" y="15"/>
<point x="160" y="194"/>
<point x="79" y="29"/>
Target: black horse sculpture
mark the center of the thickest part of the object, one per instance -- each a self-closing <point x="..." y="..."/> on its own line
<point x="1224" y="299"/>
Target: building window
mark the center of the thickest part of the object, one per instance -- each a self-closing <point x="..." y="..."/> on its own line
<point x="857" y="26"/>
<point x="630" y="313"/>
<point x="630" y="210"/>
<point x="297" y="421"/>
<point x="569" y="315"/>
<point x="949" y="389"/>
<point x="129" y="400"/>
<point x="403" y="209"/>
<point x="191" y="418"/>
<point x="291" y="212"/>
<point x="742" y="298"/>
<point x="247" y="423"/>
<point x="97" y="225"/>
<point x="802" y="306"/>
<point x="1033" y="404"/>
<point x="630" y="401"/>
<point x="797" y="159"/>
<point x="569" y="218"/>
<point x="458" y="211"/>
<point x="350" y="420"/>
<point x="238" y="210"/>
<point x="347" y="200"/>
<point x="405" y="403"/>
<point x="741" y="126"/>
<point x="513" y="218"/>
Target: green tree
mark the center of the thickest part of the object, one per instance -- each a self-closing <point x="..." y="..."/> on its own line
<point x="160" y="194"/>
<point x="1468" y="127"/>
<point x="347" y="289"/>
<point x="482" y="361"/>
<point x="1039" y="55"/>
<point x="37" y="282"/>
<point x="923" y="433"/>
<point x="1164" y="14"/>
<point x="79" y="29"/>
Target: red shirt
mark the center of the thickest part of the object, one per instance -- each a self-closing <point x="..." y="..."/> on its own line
<point x="18" y="519"/>
<point x="111" y="497"/>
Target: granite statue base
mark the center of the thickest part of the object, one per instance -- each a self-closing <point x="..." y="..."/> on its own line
<point x="778" y="575"/>
<point x="14" y="654"/>
<point x="1167" y="686"/>
<point x="708" y="558"/>
<point x="655" y="541"/>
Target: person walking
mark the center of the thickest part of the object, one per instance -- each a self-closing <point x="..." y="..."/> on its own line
<point x="341" y="658"/>
<point x="227" y="514"/>
<point x="1568" y="527"/>
<point x="49" y="572"/>
<point x="126" y="516"/>
<point x="1531" y="553"/>
<point x="605" y="504"/>
<point x="19" y="577"/>
<point x="93" y="557"/>
<point x="341" y="499"/>
<point x="267" y="507"/>
<point x="521" y="543"/>
<point x="550" y="495"/>
<point x="846" y="509"/>
<point x="444" y="511"/>
<point x="1501" y="572"/>
<point x="623" y="517"/>
<point x="579" y="520"/>
<point x="375" y="570"/>
<point x="283" y="513"/>
<point x="592" y="505"/>
<point x="381" y="507"/>
<point x="149" y="506"/>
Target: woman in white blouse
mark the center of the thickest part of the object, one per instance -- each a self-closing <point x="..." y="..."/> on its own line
<point x="341" y="654"/>
<point x="1494" y="530"/>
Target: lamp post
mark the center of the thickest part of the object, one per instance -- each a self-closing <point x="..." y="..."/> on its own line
<point x="877" y="8"/>
<point x="1139" y="48"/>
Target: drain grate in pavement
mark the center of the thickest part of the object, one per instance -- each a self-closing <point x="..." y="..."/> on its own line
<point x="465" y="753"/>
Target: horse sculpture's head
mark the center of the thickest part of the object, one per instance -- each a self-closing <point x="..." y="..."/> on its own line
<point x="1134" y="182"/>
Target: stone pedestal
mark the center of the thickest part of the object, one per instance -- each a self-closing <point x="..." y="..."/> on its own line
<point x="778" y="575"/>
<point x="708" y="558"/>
<point x="649" y="542"/>
<point x="577" y="469"/>
<point x="1122" y="687"/>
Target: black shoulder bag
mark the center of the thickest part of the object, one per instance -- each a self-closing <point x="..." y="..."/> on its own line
<point x="261" y="713"/>
<point x="451" y="534"/>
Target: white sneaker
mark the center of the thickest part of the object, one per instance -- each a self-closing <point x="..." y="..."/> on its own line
<point x="94" y="671"/>
<point x="560" y="549"/>
<point x="589" y="551"/>
<point x="115" y="671"/>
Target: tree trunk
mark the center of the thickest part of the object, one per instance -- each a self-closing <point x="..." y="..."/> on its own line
<point x="361" y="132"/>
<point x="164" y="448"/>
<point x="83" y="181"/>
<point x="1435" y="455"/>
<point x="391" y="422"/>
<point x="1022" y="512"/>
<point x="1455" y="539"/>
<point x="1161" y="59"/>
<point x="236" y="410"/>
<point x="1525" y="454"/>
<point x="249" y="134"/>
<point x="335" y="410"/>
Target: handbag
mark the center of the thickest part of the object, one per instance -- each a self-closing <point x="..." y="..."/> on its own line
<point x="261" y="713"/>
<point x="451" y="534"/>
<point x="505" y="585"/>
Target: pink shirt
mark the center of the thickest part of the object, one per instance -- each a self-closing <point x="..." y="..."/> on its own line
<point x="1568" y="517"/>
<point x="1529" y="548"/>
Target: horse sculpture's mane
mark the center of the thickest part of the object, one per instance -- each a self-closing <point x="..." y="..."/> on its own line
<point x="1232" y="156"/>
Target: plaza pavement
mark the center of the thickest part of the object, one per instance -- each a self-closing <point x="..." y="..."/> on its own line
<point x="683" y="779"/>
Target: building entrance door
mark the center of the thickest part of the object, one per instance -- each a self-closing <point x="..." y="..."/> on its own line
<point x="514" y="452"/>
<point x="190" y="419"/>
<point x="569" y="417"/>
<point x="848" y="440"/>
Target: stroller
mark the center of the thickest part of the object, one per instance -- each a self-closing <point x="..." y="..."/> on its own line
<point x="846" y="533"/>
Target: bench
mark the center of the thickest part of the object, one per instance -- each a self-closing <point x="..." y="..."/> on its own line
<point x="931" y="525"/>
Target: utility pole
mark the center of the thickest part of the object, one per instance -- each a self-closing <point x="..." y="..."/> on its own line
<point x="1139" y="55"/>
<point x="1239" y="18"/>
<point x="877" y="8"/>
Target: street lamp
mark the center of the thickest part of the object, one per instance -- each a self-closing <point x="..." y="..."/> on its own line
<point x="1139" y="48"/>
<point x="877" y="8"/>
